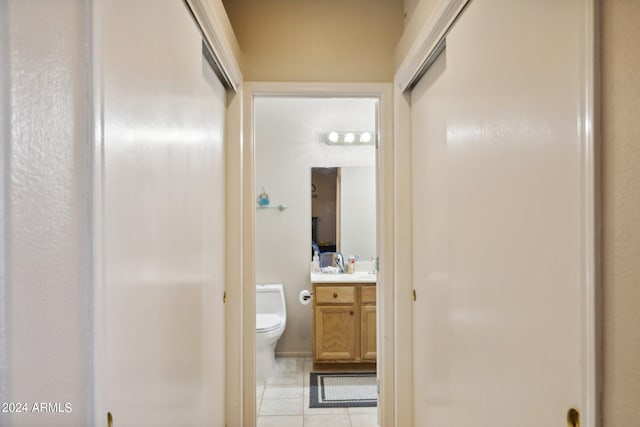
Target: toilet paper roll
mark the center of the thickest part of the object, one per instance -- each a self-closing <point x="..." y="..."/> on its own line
<point x="304" y="297"/>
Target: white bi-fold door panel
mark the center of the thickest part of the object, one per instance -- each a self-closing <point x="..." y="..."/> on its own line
<point x="500" y="220"/>
<point x="163" y="215"/>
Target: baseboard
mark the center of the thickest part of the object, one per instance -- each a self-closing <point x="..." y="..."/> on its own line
<point x="293" y="354"/>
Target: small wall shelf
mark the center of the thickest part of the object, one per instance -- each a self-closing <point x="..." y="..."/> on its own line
<point x="279" y="207"/>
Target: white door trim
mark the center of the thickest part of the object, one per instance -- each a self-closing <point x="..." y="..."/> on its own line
<point x="216" y="29"/>
<point x="234" y="257"/>
<point x="444" y="15"/>
<point x="383" y="92"/>
<point x="409" y="71"/>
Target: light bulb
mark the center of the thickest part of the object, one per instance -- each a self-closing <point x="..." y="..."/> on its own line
<point x="333" y="137"/>
<point x="365" y="137"/>
<point x="349" y="137"/>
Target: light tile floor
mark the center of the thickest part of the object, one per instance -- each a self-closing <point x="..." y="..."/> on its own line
<point x="284" y="401"/>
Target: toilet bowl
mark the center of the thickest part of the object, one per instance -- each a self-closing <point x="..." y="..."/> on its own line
<point x="271" y="320"/>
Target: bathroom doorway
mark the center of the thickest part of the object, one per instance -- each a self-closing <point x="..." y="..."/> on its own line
<point x="294" y="131"/>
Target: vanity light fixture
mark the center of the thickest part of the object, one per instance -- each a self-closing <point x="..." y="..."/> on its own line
<point x="350" y="138"/>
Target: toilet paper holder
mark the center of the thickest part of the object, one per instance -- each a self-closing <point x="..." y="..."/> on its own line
<point x="305" y="297"/>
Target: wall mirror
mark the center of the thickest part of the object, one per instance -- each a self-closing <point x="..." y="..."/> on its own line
<point x="343" y="210"/>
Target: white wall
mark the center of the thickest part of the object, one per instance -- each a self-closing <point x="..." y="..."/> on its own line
<point x="5" y="135"/>
<point x="45" y="313"/>
<point x="288" y="135"/>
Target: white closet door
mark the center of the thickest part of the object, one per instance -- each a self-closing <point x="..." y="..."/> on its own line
<point x="163" y="181"/>
<point x="499" y="219"/>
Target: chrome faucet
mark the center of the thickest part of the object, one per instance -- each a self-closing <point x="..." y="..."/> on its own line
<point x="340" y="262"/>
<point x="334" y="258"/>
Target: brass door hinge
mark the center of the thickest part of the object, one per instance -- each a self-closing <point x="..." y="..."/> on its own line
<point x="224" y="297"/>
<point x="414" y="294"/>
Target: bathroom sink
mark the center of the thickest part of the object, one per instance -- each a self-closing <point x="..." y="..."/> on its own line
<point x="357" y="277"/>
<point x="363" y="274"/>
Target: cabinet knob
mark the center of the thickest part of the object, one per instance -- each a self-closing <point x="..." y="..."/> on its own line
<point x="335" y="295"/>
<point x="351" y="312"/>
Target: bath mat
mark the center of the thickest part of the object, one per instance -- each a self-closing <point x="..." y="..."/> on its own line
<point x="344" y="389"/>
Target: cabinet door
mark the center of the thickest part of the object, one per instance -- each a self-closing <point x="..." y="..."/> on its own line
<point x="368" y="332"/>
<point x="335" y="332"/>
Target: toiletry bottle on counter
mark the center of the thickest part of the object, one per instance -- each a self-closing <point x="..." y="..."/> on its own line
<point x="351" y="265"/>
<point x="315" y="263"/>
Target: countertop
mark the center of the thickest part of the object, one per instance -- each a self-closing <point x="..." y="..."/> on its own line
<point x="357" y="277"/>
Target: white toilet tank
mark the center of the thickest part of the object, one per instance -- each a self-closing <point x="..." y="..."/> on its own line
<point x="270" y="299"/>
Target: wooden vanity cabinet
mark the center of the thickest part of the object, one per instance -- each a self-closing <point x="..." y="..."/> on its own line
<point x="368" y="322"/>
<point x="344" y="323"/>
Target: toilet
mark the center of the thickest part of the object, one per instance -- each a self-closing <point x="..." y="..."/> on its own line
<point x="271" y="319"/>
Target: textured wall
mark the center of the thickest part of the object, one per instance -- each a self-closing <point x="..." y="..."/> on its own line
<point x="317" y="40"/>
<point x="4" y="153"/>
<point x="621" y="208"/>
<point x="47" y="182"/>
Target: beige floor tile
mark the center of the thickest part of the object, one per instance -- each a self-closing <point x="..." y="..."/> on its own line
<point x="306" y="379"/>
<point x="364" y="410"/>
<point x="281" y="407"/>
<point x="323" y="411"/>
<point x="286" y="378"/>
<point x="364" y="420"/>
<point x="281" y="421"/>
<point x="259" y="390"/>
<point x="275" y="391"/>
<point x="308" y="364"/>
<point x="290" y="364"/>
<point x="284" y="401"/>
<point x="326" y="421"/>
<point x="307" y="393"/>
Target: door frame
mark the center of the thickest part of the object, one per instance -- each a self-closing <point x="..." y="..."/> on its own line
<point x="420" y="55"/>
<point x="385" y="291"/>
